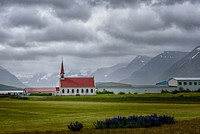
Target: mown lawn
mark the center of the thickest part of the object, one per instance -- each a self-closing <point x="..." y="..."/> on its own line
<point x="55" y="113"/>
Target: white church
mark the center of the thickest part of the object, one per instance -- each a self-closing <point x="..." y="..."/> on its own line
<point x="75" y="86"/>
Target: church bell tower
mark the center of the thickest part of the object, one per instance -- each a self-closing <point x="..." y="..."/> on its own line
<point x="62" y="73"/>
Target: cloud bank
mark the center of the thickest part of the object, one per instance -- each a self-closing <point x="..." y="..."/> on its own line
<point x="35" y="35"/>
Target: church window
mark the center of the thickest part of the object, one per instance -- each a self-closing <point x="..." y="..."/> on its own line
<point x="190" y="83"/>
<point x="63" y="91"/>
<point x="180" y="83"/>
<point x="82" y="91"/>
<point x="91" y="90"/>
<point x="67" y="90"/>
<point x="72" y="90"/>
<point x="86" y="90"/>
<point x="77" y="91"/>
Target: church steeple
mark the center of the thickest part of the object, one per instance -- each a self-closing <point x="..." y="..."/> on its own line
<point x="62" y="73"/>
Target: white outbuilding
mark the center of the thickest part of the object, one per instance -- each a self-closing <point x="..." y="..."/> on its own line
<point x="192" y="84"/>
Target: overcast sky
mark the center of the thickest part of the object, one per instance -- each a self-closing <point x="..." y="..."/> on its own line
<point x="88" y="34"/>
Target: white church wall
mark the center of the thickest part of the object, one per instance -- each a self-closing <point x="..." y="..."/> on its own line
<point x="74" y="91"/>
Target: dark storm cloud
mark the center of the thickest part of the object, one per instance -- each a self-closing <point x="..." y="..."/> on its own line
<point x="65" y="9"/>
<point x="3" y="35"/>
<point x="185" y="16"/>
<point x="172" y="2"/>
<point x="76" y="11"/>
<point x="59" y="3"/>
<point x="177" y="24"/>
<point x="70" y="31"/>
<point x="20" y="17"/>
<point x="132" y="3"/>
<point x="114" y="3"/>
<point x="93" y="30"/>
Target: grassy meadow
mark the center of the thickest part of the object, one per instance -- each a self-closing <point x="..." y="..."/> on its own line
<point x="53" y="114"/>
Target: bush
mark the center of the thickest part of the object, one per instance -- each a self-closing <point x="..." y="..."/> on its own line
<point x="76" y="126"/>
<point x="121" y="93"/>
<point x="181" y="89"/>
<point x="175" y="91"/>
<point x="104" y="92"/>
<point x="18" y="97"/>
<point x="40" y="94"/>
<point x="165" y="91"/>
<point x="197" y="90"/>
<point x="134" y="122"/>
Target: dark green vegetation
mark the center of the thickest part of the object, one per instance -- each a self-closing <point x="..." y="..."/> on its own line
<point x="180" y="90"/>
<point x="52" y="114"/>
<point x="40" y="94"/>
<point x="141" y="98"/>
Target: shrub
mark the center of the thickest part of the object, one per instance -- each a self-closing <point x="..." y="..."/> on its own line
<point x="134" y="122"/>
<point x="76" y="126"/>
<point x="165" y="91"/>
<point x="104" y="92"/>
<point x="40" y="94"/>
<point x="18" y="97"/>
<point x="175" y="91"/>
<point x="197" y="90"/>
<point x="121" y="93"/>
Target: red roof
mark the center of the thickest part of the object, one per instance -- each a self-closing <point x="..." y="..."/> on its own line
<point x="46" y="89"/>
<point x="77" y="82"/>
<point x="62" y="68"/>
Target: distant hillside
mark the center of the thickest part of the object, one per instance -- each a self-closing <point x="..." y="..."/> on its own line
<point x="113" y="84"/>
<point x="133" y="66"/>
<point x="150" y="73"/>
<point x="101" y="74"/>
<point x="189" y="66"/>
<point x="5" y="87"/>
<point x="6" y="78"/>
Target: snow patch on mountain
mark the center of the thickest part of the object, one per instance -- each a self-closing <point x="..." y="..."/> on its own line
<point x="195" y="54"/>
<point x="46" y="77"/>
<point x="73" y="75"/>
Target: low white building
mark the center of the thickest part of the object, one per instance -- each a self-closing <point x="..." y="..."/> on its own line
<point x="192" y="84"/>
<point x="12" y="92"/>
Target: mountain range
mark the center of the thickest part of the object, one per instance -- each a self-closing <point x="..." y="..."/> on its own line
<point x="101" y="74"/>
<point x="150" y="73"/>
<point x="189" y="66"/>
<point x="5" y="87"/>
<point x="124" y="72"/>
<point x="6" y="78"/>
<point x="141" y="70"/>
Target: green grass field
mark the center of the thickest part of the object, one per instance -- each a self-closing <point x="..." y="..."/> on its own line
<point x="55" y="113"/>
